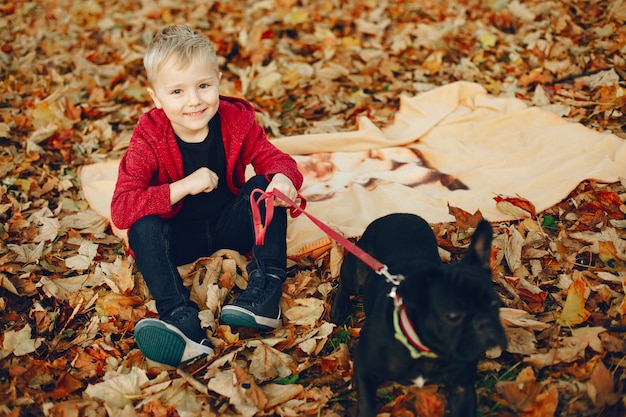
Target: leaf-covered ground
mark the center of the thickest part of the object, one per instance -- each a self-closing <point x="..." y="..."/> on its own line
<point x="72" y="87"/>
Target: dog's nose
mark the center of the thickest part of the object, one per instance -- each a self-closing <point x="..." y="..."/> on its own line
<point x="491" y="334"/>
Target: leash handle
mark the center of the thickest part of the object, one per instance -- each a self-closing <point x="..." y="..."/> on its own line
<point x="259" y="227"/>
<point x="268" y="198"/>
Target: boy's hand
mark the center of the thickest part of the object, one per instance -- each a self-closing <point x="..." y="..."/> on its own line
<point x="283" y="184"/>
<point x="203" y="180"/>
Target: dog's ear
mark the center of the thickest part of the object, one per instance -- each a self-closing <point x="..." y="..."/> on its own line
<point x="479" y="250"/>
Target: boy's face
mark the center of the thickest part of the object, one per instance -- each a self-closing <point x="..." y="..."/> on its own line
<point x="189" y="97"/>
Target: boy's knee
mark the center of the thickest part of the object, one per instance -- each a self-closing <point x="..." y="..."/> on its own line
<point x="146" y="228"/>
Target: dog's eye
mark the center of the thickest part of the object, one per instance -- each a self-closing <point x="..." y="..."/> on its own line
<point x="495" y="304"/>
<point x="454" y="317"/>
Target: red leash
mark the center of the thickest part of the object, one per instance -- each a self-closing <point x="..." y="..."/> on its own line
<point x="296" y="210"/>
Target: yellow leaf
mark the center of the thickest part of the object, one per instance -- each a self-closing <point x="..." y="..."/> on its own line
<point x="574" y="309"/>
<point x="487" y="40"/>
<point x="43" y="113"/>
<point x="297" y="16"/>
<point x="433" y="63"/>
<point x="23" y="184"/>
<point x="349" y="41"/>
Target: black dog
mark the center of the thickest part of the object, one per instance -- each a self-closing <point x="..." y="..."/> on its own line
<point x="434" y="325"/>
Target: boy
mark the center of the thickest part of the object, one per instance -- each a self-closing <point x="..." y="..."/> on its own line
<point x="182" y="193"/>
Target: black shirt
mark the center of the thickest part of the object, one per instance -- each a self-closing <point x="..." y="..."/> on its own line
<point x="208" y="153"/>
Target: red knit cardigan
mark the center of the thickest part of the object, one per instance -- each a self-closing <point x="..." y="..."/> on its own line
<point x="153" y="161"/>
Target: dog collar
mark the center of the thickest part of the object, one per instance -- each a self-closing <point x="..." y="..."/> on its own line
<point x="404" y="332"/>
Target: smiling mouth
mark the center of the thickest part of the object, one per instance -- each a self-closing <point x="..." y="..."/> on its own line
<point x="195" y="113"/>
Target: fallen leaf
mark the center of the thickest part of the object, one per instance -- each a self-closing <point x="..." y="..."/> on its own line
<point x="117" y="275"/>
<point x="574" y="312"/>
<point x="601" y="387"/>
<point x="590" y="336"/>
<point x="515" y="206"/>
<point x="527" y="397"/>
<point x="119" y="390"/>
<point x="428" y="404"/>
<point x="279" y="394"/>
<point x="267" y="363"/>
<point x="465" y="220"/>
<point x="130" y="308"/>
<point x="86" y="253"/>
<point x="513" y="248"/>
<point x="19" y="342"/>
<point x="27" y="253"/>
<point x="305" y="312"/>
<point x="248" y="393"/>
<point x="8" y="285"/>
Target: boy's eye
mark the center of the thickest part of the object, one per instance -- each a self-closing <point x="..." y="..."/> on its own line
<point x="177" y="91"/>
<point x="204" y="85"/>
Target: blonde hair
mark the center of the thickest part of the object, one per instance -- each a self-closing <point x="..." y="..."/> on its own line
<point x="180" y="42"/>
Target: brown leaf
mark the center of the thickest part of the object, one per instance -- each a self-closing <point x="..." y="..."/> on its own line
<point x="250" y="390"/>
<point x="464" y="219"/>
<point x="602" y="386"/>
<point x="267" y="363"/>
<point x="65" y="386"/>
<point x="527" y="397"/>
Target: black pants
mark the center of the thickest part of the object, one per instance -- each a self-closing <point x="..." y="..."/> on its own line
<point x="161" y="245"/>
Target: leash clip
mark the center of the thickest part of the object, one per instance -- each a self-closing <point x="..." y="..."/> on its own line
<point x="391" y="278"/>
<point x="397" y="301"/>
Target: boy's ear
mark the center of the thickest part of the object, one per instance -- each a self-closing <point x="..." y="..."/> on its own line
<point x="154" y="98"/>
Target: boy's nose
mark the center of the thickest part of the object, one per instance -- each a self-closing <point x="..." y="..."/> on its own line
<point x="194" y="97"/>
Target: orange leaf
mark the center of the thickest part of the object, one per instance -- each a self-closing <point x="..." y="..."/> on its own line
<point x="608" y="198"/>
<point x="428" y="405"/>
<point x="125" y="307"/>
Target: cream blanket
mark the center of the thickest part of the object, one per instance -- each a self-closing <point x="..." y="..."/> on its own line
<point x="454" y="145"/>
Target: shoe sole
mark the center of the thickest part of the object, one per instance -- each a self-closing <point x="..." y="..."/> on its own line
<point x="237" y="316"/>
<point x="164" y="343"/>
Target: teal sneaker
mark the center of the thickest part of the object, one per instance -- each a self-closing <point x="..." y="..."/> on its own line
<point x="164" y="343"/>
<point x="257" y="306"/>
